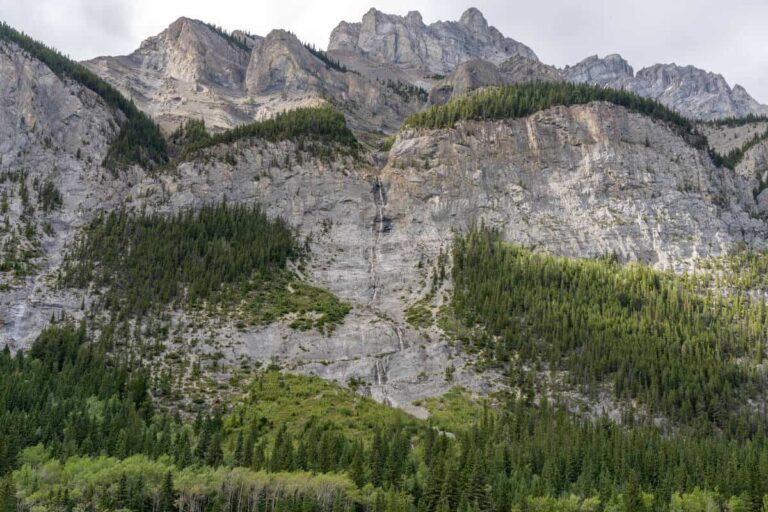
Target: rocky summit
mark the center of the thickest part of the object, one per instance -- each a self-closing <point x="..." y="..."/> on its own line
<point x="417" y="270"/>
<point x="691" y="91"/>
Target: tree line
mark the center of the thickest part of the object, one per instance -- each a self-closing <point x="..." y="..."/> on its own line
<point x="145" y="261"/>
<point x="314" y="124"/>
<point x="139" y="141"/>
<point x="522" y="100"/>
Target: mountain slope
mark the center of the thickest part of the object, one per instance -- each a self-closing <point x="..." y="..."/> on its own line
<point x="192" y="70"/>
<point x="56" y="134"/>
<point x="691" y="91"/>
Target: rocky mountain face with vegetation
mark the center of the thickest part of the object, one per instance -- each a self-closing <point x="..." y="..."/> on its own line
<point x="194" y="70"/>
<point x="307" y="289"/>
<point x="694" y="92"/>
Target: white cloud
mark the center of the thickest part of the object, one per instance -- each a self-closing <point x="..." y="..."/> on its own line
<point x="730" y="40"/>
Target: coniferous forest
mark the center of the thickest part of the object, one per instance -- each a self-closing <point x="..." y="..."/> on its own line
<point x="522" y="100"/>
<point x="680" y="347"/>
<point x="78" y="430"/>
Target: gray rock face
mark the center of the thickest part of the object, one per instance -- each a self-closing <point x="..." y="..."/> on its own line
<point x="691" y="91"/>
<point x="467" y="76"/>
<point x="51" y="131"/>
<point x="191" y="70"/>
<point x="407" y="42"/>
<point x="521" y="69"/>
<point x="579" y="181"/>
<point x="608" y="71"/>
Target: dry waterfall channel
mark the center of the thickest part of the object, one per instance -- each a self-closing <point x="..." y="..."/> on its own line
<point x="379" y="227"/>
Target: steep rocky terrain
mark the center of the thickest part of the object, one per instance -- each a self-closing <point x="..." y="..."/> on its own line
<point x="192" y="70"/>
<point x="561" y="286"/>
<point x="408" y="43"/>
<point x="691" y="91"/>
<point x="585" y="181"/>
<point x="475" y="74"/>
<point x="55" y="134"/>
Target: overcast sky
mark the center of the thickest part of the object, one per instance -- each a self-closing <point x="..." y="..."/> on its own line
<point x="730" y="38"/>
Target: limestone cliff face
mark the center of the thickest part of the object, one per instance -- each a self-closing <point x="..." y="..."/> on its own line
<point x="51" y="131"/>
<point x="283" y="72"/>
<point x="187" y="71"/>
<point x="691" y="91"/>
<point x="579" y="181"/>
<point x="189" y="50"/>
<point x="407" y="42"/>
<point x="608" y="71"/>
<point x="192" y="70"/>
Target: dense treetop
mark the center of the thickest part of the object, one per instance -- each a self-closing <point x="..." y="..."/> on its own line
<point x="684" y="350"/>
<point x="78" y="430"/>
<point x="145" y="261"/>
<point x="321" y="124"/>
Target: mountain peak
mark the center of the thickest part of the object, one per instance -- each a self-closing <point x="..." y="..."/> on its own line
<point x="408" y="43"/>
<point x="474" y="19"/>
<point x="414" y="17"/>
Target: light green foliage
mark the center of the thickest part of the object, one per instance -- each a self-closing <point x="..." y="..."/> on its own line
<point x="454" y="410"/>
<point x="419" y="314"/>
<point x="305" y="306"/>
<point x="743" y="270"/>
<point x="569" y="504"/>
<point x="292" y="400"/>
<point x="696" y="501"/>
<point x="95" y="481"/>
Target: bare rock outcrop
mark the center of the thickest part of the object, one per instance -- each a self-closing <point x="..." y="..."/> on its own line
<point x="54" y="135"/>
<point x="435" y="49"/>
<point x="579" y="181"/>
<point x="691" y="91"/>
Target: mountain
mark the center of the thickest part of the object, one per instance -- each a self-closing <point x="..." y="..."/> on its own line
<point x="311" y="291"/>
<point x="194" y="70"/>
<point x="421" y="51"/>
<point x="691" y="91"/>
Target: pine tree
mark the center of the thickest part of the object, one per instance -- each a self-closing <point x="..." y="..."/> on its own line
<point x="167" y="502"/>
<point x="239" y="455"/>
<point x="7" y="494"/>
